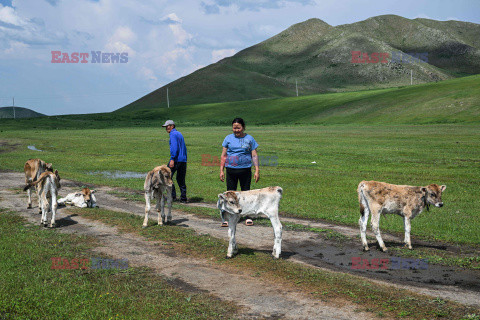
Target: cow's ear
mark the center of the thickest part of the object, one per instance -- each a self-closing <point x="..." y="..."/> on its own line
<point x="221" y="196"/>
<point x="443" y="187"/>
<point x="93" y="191"/>
<point x="424" y="189"/>
<point x="49" y="166"/>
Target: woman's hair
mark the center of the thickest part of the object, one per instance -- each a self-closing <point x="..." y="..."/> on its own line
<point x="240" y="121"/>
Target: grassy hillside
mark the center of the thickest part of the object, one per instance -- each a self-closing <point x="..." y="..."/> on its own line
<point x="318" y="57"/>
<point x="451" y="101"/>
<point x="8" y="112"/>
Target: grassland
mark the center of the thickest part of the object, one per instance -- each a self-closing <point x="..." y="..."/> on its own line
<point x="30" y="289"/>
<point x="343" y="154"/>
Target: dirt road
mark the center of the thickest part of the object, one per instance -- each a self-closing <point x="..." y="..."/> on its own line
<point x="258" y="298"/>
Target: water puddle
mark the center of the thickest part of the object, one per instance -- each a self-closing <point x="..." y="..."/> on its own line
<point x="118" y="174"/>
<point x="33" y="148"/>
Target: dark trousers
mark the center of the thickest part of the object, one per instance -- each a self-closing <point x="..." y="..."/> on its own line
<point x="181" y="169"/>
<point x="244" y="176"/>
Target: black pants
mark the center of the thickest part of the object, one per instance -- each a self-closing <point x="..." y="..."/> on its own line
<point x="236" y="175"/>
<point x="181" y="169"/>
<point x="244" y="176"/>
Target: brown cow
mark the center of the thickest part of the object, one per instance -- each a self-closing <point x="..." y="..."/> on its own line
<point x="158" y="184"/>
<point x="33" y="169"/>
<point x="407" y="201"/>
<point x="47" y="187"/>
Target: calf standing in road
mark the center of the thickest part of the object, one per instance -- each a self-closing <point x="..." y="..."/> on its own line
<point x="407" y="201"/>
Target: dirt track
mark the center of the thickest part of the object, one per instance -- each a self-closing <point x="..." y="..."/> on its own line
<point x="264" y="300"/>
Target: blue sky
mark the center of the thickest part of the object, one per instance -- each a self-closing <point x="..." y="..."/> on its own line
<point x="164" y="40"/>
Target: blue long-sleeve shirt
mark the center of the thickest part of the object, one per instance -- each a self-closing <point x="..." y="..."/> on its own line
<point x="178" y="150"/>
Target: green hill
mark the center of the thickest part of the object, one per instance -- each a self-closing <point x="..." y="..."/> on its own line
<point x="8" y="113"/>
<point x="318" y="57"/>
<point x="450" y="101"/>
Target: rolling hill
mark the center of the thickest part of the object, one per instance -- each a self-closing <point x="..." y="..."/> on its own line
<point x="450" y="101"/>
<point x="318" y="56"/>
<point x="8" y="113"/>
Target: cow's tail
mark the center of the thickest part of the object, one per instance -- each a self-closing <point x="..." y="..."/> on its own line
<point x="361" y="197"/>
<point x="35" y="182"/>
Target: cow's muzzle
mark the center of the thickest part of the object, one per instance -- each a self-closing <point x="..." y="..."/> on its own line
<point x="439" y="205"/>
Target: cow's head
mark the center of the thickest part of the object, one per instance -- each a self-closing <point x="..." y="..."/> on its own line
<point x="433" y="195"/>
<point x="49" y="167"/>
<point x="88" y="196"/>
<point x="228" y="201"/>
<point x="166" y="176"/>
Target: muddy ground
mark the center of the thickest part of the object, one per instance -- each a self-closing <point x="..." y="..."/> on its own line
<point x="264" y="300"/>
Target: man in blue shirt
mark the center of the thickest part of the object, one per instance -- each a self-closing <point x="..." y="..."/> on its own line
<point x="178" y="159"/>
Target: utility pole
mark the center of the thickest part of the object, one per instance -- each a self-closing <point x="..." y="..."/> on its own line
<point x="296" y="87"/>
<point x="13" y="107"/>
<point x="411" y="76"/>
<point x="168" y="101"/>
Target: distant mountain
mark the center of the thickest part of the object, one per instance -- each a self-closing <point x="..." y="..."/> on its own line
<point x="7" y="112"/>
<point x="318" y="57"/>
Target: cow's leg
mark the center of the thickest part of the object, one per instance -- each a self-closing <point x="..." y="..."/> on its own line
<point x="53" y="206"/>
<point x="376" y="225"/>
<point x="406" y="222"/>
<point x="29" y="193"/>
<point x="169" y="204"/>
<point x="232" y="228"/>
<point x="364" y="212"/>
<point x="148" y="196"/>
<point x="42" y="201"/>
<point x="161" y="208"/>
<point x="277" y="230"/>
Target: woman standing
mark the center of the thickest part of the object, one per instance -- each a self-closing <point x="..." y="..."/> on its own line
<point x="238" y="154"/>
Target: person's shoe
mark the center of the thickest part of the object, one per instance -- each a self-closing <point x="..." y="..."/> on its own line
<point x="249" y="222"/>
<point x="183" y="200"/>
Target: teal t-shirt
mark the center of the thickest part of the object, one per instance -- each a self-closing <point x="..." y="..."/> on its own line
<point x="239" y="151"/>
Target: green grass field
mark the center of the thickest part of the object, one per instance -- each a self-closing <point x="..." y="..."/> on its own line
<point x="30" y="289"/>
<point x="344" y="155"/>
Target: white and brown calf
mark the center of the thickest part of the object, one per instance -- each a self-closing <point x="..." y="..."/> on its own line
<point x="252" y="203"/>
<point x="83" y="199"/>
<point x="158" y="184"/>
<point x="33" y="168"/>
<point x="407" y="201"/>
<point x="47" y="186"/>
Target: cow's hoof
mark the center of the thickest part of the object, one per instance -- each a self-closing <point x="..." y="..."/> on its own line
<point x="29" y="207"/>
<point x="366" y="249"/>
<point x="384" y="249"/>
<point x="143" y="227"/>
<point x="274" y="257"/>
<point x="227" y="257"/>
<point x="52" y="225"/>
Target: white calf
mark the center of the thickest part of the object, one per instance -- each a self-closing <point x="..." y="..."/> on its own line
<point x="47" y="186"/>
<point x="252" y="203"/>
<point x="83" y="199"/>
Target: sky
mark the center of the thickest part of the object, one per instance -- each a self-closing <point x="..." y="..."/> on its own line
<point x="139" y="46"/>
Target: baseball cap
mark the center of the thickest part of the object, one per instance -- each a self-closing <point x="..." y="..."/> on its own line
<point x="168" y="123"/>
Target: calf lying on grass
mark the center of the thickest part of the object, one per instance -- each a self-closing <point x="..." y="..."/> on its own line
<point x="407" y="201"/>
<point x="47" y="186"/>
<point x="252" y="203"/>
<point x="158" y="184"/>
<point x="82" y="199"/>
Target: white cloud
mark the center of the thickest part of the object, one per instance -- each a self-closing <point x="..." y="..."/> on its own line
<point x="220" y="54"/>
<point x="181" y="36"/>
